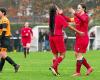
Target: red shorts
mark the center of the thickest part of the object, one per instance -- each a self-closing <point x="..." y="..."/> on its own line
<point x="57" y="44"/>
<point x="81" y="44"/>
<point x="25" y="40"/>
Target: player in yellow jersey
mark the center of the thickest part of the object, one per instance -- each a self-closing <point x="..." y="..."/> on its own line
<point x="5" y="34"/>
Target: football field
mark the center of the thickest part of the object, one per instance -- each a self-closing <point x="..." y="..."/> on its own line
<point x="35" y="67"/>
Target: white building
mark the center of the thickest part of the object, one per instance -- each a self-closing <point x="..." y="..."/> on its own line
<point x="96" y="43"/>
<point x="35" y="43"/>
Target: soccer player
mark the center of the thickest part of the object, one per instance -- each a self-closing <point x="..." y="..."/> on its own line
<point x="26" y="36"/>
<point x="81" y="20"/>
<point x="56" y="38"/>
<point x="5" y="34"/>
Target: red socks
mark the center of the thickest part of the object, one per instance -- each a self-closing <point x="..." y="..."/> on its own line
<point x="78" y="66"/>
<point x="85" y="63"/>
<point x="57" y="62"/>
<point x="53" y="61"/>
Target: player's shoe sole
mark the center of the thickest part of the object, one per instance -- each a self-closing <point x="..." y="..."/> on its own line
<point x="76" y="74"/>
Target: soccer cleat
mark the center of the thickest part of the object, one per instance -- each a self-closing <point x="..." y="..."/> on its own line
<point x="58" y="74"/>
<point x="53" y="71"/>
<point x="89" y="71"/>
<point x="16" y="68"/>
<point x="76" y="74"/>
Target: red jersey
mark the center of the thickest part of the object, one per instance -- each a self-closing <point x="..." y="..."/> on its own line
<point x="57" y="40"/>
<point x="60" y="24"/>
<point x="81" y="22"/>
<point x="81" y="42"/>
<point x="26" y="32"/>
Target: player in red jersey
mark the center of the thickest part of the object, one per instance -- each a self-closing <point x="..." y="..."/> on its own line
<point x="56" y="38"/>
<point x="81" y="20"/>
<point x="26" y="36"/>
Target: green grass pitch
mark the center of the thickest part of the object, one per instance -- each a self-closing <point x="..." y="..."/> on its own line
<point x="35" y="67"/>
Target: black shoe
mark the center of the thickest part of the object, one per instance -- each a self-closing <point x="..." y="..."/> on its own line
<point x="54" y="72"/>
<point x="58" y="74"/>
<point x="16" y="68"/>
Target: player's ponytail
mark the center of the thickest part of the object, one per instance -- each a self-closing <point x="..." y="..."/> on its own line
<point x="52" y="13"/>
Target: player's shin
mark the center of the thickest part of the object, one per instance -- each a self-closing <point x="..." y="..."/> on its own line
<point x="57" y="62"/>
<point x="85" y="63"/>
<point x="2" y="62"/>
<point x="25" y="51"/>
<point x="9" y="60"/>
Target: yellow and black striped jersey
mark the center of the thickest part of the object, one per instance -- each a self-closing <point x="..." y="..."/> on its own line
<point x="4" y="20"/>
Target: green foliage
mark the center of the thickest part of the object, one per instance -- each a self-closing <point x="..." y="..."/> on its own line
<point x="16" y="26"/>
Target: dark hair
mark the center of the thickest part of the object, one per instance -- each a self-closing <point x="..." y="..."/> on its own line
<point x="3" y="10"/>
<point x="52" y="13"/>
<point x="84" y="7"/>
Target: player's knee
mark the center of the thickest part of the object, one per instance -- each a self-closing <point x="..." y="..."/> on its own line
<point x="3" y="53"/>
<point x="3" y="56"/>
<point x="28" y="45"/>
<point x="62" y="55"/>
<point x="55" y="57"/>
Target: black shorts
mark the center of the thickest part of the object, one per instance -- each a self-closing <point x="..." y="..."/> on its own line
<point x="4" y="42"/>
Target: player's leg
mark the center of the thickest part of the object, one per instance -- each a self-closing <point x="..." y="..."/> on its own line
<point x="60" y="46"/>
<point x="79" y="47"/>
<point x="55" y="54"/>
<point x="24" y="42"/>
<point x="7" y="58"/>
<point x="87" y="65"/>
<point x="24" y="49"/>
<point x="27" y="48"/>
<point x="58" y="61"/>
<point x="2" y="62"/>
<point x="11" y="61"/>
<point x="25" y="52"/>
<point x="79" y="60"/>
<point x="52" y="68"/>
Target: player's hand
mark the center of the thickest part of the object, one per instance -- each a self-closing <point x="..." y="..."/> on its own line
<point x="82" y="33"/>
